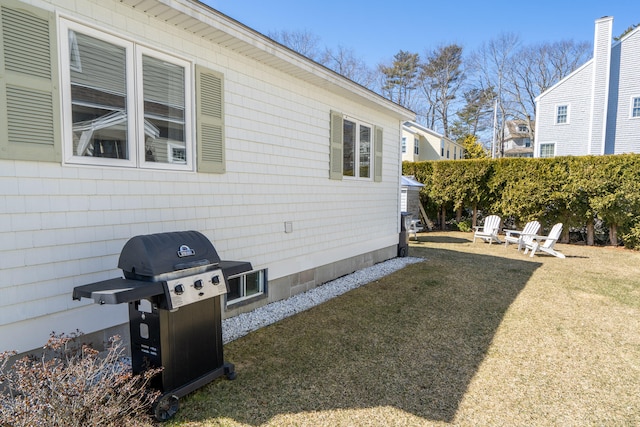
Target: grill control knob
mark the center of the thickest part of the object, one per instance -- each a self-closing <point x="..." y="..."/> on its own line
<point x="179" y="289"/>
<point x="197" y="284"/>
<point x="215" y="280"/>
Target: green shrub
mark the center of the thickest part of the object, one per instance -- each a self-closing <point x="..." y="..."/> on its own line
<point x="631" y="239"/>
<point x="72" y="384"/>
<point x="573" y="190"/>
<point x="462" y="225"/>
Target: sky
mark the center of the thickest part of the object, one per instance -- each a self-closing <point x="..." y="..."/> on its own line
<point x="376" y="30"/>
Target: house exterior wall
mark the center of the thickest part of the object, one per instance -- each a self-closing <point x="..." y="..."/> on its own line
<point x="627" y="128"/>
<point x="64" y="225"/>
<point x="599" y="95"/>
<point x="431" y="145"/>
<point x="600" y="85"/>
<point x="569" y="138"/>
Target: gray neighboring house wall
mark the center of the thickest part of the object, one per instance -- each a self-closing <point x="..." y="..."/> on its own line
<point x="596" y="109"/>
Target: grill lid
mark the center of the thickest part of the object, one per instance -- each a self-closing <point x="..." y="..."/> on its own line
<point x="146" y="257"/>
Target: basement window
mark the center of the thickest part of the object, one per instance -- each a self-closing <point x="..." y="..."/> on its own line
<point x="247" y="287"/>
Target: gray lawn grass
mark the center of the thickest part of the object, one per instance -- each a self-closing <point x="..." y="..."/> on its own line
<point x="476" y="334"/>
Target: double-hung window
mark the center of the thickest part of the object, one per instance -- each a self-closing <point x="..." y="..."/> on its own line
<point x="547" y="150"/>
<point x="416" y="146"/>
<point x="124" y="104"/>
<point x="562" y="114"/>
<point x="355" y="148"/>
<point x="404" y="144"/>
<point x="635" y="107"/>
<point x="357" y="139"/>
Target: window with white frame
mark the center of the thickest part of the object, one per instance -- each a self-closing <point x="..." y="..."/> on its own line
<point x="404" y="144"/>
<point x="246" y="286"/>
<point x="635" y="107"/>
<point x="442" y="148"/>
<point x="416" y="146"/>
<point x="547" y="149"/>
<point x="124" y="104"/>
<point x="355" y="148"/>
<point x="357" y="139"/>
<point x="562" y="114"/>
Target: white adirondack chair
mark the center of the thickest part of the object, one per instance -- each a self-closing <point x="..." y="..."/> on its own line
<point x="546" y="243"/>
<point x="522" y="237"/>
<point x="414" y="227"/>
<point x="489" y="231"/>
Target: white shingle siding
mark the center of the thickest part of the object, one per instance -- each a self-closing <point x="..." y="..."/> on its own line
<point x="599" y="94"/>
<point x="570" y="138"/>
<point x="600" y="84"/>
<point x="627" y="129"/>
<point x="64" y="225"/>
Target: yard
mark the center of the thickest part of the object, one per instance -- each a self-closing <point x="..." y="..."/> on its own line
<point x="476" y="334"/>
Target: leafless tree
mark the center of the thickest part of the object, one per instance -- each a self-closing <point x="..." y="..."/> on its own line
<point x="303" y="42"/>
<point x="492" y="65"/>
<point x="537" y="68"/>
<point x="345" y="62"/>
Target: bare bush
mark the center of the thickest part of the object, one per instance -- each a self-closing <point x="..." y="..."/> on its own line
<point x="72" y="384"/>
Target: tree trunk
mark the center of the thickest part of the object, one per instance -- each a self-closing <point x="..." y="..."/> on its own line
<point x="590" y="232"/>
<point x="443" y="225"/>
<point x="459" y="215"/>
<point x="613" y="235"/>
<point x="475" y="215"/>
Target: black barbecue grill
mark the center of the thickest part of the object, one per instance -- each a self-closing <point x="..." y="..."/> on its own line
<point x="173" y="283"/>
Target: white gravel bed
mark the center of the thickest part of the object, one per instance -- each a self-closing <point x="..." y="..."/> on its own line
<point x="242" y="324"/>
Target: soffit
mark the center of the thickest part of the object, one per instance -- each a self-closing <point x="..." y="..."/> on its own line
<point x="206" y="22"/>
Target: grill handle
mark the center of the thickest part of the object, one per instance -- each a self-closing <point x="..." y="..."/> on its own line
<point x="192" y="264"/>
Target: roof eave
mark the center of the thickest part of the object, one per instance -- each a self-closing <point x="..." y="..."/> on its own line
<point x="205" y="22"/>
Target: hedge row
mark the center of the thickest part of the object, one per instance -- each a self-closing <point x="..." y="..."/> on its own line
<point x="577" y="191"/>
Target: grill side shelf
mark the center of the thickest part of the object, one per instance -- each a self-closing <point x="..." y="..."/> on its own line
<point x="232" y="268"/>
<point x="117" y="291"/>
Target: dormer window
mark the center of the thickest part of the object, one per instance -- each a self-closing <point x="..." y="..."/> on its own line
<point x="523" y="128"/>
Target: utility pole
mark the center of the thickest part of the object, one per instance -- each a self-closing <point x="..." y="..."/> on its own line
<point x="495" y="131"/>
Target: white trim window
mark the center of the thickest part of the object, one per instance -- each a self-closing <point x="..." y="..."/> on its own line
<point x="246" y="286"/>
<point x="357" y="144"/>
<point x="404" y="144"/>
<point x="548" y="149"/>
<point x="635" y="107"/>
<point x="124" y="104"/>
<point x="562" y="114"/>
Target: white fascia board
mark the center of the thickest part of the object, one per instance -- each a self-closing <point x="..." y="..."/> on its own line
<point x="421" y="128"/>
<point x="210" y="24"/>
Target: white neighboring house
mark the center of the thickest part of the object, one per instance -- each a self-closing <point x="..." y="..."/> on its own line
<point x="517" y="139"/>
<point x="420" y="144"/>
<point x="596" y="109"/>
<point x="127" y="117"/>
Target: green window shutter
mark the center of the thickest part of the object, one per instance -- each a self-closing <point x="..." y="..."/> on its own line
<point x="377" y="155"/>
<point x="210" y="138"/>
<point x="29" y="97"/>
<point x="335" y="146"/>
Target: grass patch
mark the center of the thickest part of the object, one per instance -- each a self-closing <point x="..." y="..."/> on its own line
<point x="475" y="335"/>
